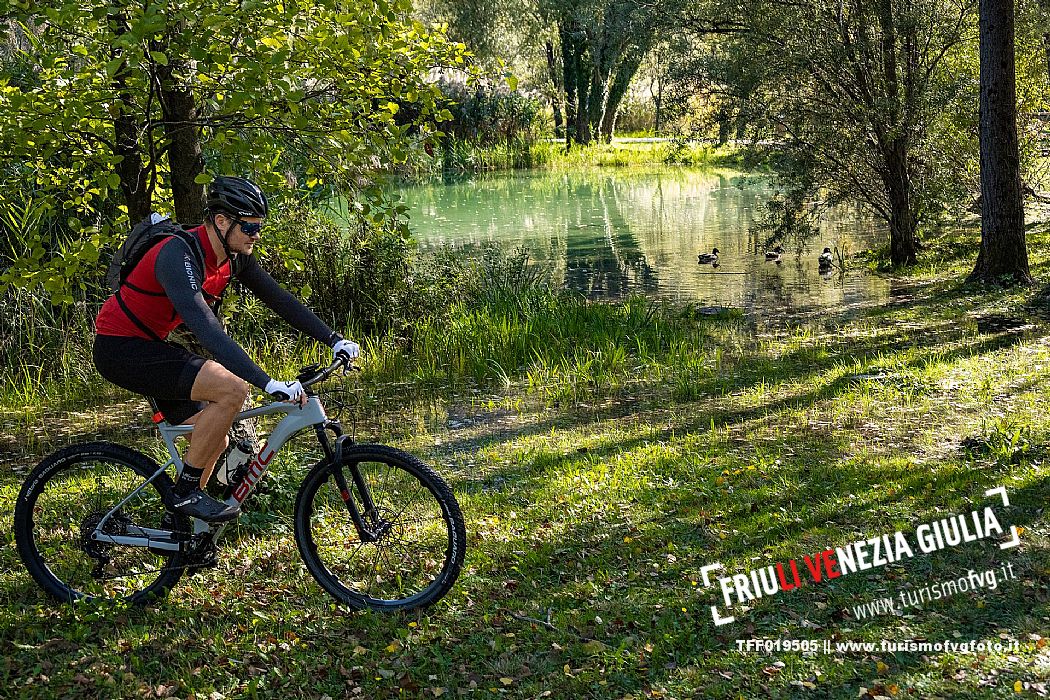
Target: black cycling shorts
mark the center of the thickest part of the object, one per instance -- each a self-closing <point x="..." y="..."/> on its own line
<point x="162" y="371"/>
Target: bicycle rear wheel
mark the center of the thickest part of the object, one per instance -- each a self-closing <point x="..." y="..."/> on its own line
<point x="65" y="498"/>
<point x="420" y="540"/>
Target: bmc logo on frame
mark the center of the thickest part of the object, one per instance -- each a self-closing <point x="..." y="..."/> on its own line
<point x="255" y="472"/>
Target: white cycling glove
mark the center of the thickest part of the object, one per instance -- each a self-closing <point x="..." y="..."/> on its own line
<point x="285" y="391"/>
<point x="345" y="350"/>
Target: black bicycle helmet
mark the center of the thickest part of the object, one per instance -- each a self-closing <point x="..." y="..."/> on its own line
<point x="237" y="196"/>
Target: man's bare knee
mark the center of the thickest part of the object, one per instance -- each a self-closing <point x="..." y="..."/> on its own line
<point x="216" y="384"/>
<point x="235" y="393"/>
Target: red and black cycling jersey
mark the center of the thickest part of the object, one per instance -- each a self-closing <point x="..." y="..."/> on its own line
<point x="146" y="297"/>
<point x="167" y="288"/>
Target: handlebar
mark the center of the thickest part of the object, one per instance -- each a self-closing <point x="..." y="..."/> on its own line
<point x="312" y="374"/>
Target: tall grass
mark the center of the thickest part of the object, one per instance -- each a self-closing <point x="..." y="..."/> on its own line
<point x="45" y="350"/>
<point x="620" y="154"/>
<point x="527" y="151"/>
<point x="511" y="327"/>
<point x="514" y="154"/>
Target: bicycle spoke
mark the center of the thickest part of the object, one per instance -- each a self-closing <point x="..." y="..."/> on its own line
<point x="371" y="578"/>
<point x="78" y="499"/>
<point x="411" y="546"/>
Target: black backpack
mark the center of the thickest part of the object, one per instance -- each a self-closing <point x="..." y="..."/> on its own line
<point x="146" y="234"/>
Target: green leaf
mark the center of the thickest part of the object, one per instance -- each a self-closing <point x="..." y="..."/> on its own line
<point x="160" y="57"/>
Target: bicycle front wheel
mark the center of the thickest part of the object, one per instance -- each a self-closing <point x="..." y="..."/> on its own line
<point x="415" y="538"/>
<point x="65" y="499"/>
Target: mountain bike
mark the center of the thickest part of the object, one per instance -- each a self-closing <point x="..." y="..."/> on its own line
<point x="376" y="527"/>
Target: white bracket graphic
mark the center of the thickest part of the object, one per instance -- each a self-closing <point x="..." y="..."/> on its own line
<point x="715" y="615"/>
<point x="1000" y="491"/>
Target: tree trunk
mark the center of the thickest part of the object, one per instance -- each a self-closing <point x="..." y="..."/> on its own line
<point x="656" y="91"/>
<point x="134" y="176"/>
<point x="556" y="101"/>
<point x="597" y="101"/>
<point x="1003" y="254"/>
<point x="725" y="127"/>
<point x="583" y="124"/>
<point x="569" y="59"/>
<point x="625" y="73"/>
<point x="904" y="243"/>
<point x="184" y="146"/>
<point x="607" y="128"/>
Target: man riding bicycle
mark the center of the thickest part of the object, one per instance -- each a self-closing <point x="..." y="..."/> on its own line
<point x="166" y="288"/>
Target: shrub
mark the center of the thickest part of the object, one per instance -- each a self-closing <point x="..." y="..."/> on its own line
<point x="353" y="276"/>
<point x="485" y="115"/>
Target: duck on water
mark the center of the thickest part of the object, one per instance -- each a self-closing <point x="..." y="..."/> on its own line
<point x="707" y="258"/>
<point x="825" y="260"/>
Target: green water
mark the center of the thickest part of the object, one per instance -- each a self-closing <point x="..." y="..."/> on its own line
<point x="608" y="233"/>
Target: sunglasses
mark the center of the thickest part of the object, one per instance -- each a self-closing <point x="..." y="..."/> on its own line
<point x="252" y="230"/>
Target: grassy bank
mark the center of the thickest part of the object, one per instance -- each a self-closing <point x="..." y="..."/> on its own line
<point x="603" y="455"/>
<point x="463" y="156"/>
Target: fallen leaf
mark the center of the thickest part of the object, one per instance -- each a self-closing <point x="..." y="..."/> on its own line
<point x="506" y="681"/>
<point x="593" y="647"/>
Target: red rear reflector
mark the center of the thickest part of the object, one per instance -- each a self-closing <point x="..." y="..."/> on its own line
<point x="345" y="494"/>
<point x="157" y="417"/>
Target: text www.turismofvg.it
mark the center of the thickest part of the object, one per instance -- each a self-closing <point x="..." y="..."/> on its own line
<point x="915" y="597"/>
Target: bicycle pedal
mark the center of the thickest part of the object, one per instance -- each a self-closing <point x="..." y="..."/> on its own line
<point x="205" y="557"/>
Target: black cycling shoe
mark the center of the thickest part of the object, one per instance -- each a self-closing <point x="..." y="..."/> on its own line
<point x="197" y="504"/>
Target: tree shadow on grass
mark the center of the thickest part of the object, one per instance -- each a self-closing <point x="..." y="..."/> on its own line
<point x="586" y="558"/>
<point x="573" y="557"/>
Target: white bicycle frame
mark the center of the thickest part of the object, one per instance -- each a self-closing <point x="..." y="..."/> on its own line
<point x="297" y="419"/>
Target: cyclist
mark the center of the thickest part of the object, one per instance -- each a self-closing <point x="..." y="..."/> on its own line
<point x="166" y="288"/>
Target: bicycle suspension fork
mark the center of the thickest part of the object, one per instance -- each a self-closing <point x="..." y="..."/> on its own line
<point x="334" y="455"/>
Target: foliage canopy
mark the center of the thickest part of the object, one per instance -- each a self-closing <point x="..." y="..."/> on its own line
<point x="107" y="111"/>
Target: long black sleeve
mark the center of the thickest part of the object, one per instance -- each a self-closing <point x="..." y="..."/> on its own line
<point x="177" y="272"/>
<point x="283" y="303"/>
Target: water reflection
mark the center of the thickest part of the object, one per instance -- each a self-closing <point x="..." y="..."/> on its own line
<point x="609" y="233"/>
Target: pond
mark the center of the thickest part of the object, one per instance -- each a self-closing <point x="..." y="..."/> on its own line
<point x="608" y="233"/>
